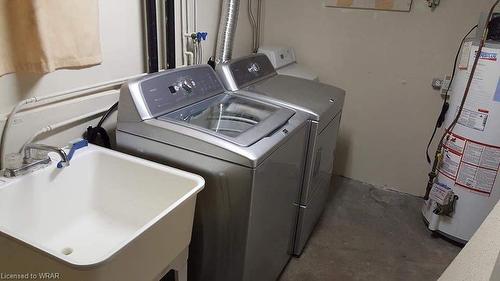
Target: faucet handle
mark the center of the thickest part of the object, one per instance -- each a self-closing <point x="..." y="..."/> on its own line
<point x="74" y="147"/>
<point x="33" y="155"/>
<point x="38" y="155"/>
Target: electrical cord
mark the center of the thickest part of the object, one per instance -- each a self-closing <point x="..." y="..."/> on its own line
<point x="93" y="133"/>
<point x="259" y="25"/>
<point x="106" y="115"/>
<point x="253" y="24"/>
<point x="446" y="105"/>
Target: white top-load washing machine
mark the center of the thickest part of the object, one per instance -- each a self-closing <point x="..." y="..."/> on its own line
<point x="250" y="152"/>
<point x="285" y="62"/>
<point x="254" y="76"/>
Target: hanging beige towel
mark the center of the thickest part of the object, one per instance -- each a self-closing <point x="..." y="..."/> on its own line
<point x="40" y="36"/>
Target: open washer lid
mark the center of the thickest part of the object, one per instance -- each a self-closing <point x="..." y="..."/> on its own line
<point x="237" y="119"/>
<point x="194" y="97"/>
<point x="188" y="108"/>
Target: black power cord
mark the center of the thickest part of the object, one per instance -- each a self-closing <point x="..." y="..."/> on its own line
<point x="106" y="115"/>
<point x="446" y="105"/>
<point x="94" y="133"/>
<point x="211" y="62"/>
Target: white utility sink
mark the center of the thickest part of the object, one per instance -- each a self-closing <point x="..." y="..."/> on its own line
<point x="108" y="216"/>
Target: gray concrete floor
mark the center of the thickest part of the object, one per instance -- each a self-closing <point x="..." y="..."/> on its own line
<point x="371" y="234"/>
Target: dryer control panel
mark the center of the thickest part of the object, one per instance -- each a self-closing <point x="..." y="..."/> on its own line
<point x="279" y="57"/>
<point x="246" y="70"/>
<point x="174" y="89"/>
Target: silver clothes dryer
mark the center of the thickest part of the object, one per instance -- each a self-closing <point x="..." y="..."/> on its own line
<point x="254" y="76"/>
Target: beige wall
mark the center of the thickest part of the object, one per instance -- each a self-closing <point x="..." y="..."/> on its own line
<point x="123" y="56"/>
<point x="385" y="61"/>
<point x="207" y="20"/>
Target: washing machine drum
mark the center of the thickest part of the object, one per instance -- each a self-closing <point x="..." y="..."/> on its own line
<point x="237" y="119"/>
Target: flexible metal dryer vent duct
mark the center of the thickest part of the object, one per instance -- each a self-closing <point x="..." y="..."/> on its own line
<point x="227" y="30"/>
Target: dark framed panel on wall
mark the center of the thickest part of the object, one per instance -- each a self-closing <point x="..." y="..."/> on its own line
<point x="170" y="33"/>
<point x="159" y="21"/>
<point x="150" y="13"/>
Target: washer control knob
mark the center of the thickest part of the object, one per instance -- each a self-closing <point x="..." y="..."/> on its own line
<point x="187" y="86"/>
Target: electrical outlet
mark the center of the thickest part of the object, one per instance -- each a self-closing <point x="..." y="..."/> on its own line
<point x="433" y="3"/>
<point x="437" y="83"/>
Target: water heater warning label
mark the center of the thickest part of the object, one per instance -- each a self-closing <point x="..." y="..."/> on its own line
<point x="470" y="164"/>
<point x="476" y="178"/>
<point x="451" y="163"/>
<point x="473" y="119"/>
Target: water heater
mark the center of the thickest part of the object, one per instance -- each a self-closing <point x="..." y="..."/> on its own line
<point x="468" y="173"/>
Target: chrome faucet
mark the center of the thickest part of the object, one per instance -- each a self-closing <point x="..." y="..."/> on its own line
<point x="30" y="163"/>
<point x="42" y="147"/>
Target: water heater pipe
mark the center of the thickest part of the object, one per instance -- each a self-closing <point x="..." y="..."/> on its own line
<point x="227" y="30"/>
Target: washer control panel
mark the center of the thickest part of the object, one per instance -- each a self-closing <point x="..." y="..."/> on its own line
<point x="187" y="85"/>
<point x="173" y="89"/>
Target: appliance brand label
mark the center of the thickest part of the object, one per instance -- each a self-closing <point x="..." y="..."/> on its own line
<point x="488" y="56"/>
<point x="254" y="68"/>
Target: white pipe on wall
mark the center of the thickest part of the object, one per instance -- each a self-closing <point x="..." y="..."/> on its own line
<point x="64" y="123"/>
<point x="84" y="91"/>
<point x="188" y="57"/>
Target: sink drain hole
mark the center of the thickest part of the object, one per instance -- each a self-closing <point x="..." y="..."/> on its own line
<point x="67" y="251"/>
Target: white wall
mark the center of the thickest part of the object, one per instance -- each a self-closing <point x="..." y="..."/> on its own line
<point x="122" y="46"/>
<point x="122" y="40"/>
<point x="385" y="61"/>
<point x="121" y="26"/>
